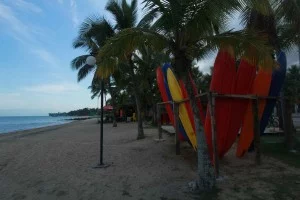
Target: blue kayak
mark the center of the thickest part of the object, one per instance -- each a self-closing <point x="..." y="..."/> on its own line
<point x="278" y="77"/>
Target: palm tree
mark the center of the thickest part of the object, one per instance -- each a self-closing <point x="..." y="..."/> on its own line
<point x="147" y="60"/>
<point x="188" y="30"/>
<point x="109" y="87"/>
<point x="287" y="14"/>
<point x="94" y="32"/>
<point x="125" y="16"/>
<point x="292" y="84"/>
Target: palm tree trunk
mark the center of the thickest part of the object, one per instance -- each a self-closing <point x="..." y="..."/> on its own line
<point x="206" y="174"/>
<point x="154" y="114"/>
<point x="139" y="116"/>
<point x="299" y="53"/>
<point x="289" y="128"/>
<point x="137" y="100"/>
<point x="113" y="102"/>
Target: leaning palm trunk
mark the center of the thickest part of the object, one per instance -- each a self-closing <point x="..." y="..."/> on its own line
<point x="206" y="174"/>
<point x="113" y="102"/>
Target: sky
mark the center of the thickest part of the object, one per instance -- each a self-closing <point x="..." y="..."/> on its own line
<point x="36" y="50"/>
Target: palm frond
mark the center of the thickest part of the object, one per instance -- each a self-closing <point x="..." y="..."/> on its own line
<point x="125" y="15"/>
<point x="129" y="40"/>
<point x="259" y="16"/>
<point x="78" y="62"/>
<point x="106" y="67"/>
<point x="288" y="10"/>
<point x="288" y="36"/>
<point x="245" y="43"/>
<point x="84" y="71"/>
<point x="148" y="18"/>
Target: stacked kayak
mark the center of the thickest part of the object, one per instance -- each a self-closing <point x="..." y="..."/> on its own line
<point x="232" y="115"/>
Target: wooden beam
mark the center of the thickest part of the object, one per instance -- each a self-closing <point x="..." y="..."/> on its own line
<point x="256" y="130"/>
<point x="237" y="96"/>
<point x="176" y="119"/>
<point x="211" y="102"/>
<point x="166" y="102"/>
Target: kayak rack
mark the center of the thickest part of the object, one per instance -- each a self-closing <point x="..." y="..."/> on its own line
<point x="211" y="97"/>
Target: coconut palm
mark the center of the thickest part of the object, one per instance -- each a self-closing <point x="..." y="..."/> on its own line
<point x="147" y="60"/>
<point x="125" y="16"/>
<point x="94" y="32"/>
<point x="188" y="30"/>
<point x="292" y="84"/>
<point x="287" y="14"/>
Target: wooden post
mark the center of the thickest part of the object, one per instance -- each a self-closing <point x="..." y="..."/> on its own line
<point x="159" y="122"/>
<point x="211" y="102"/>
<point x="256" y="130"/>
<point x="289" y="130"/>
<point x="176" y="119"/>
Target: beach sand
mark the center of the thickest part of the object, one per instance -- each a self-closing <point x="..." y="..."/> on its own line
<point x="57" y="163"/>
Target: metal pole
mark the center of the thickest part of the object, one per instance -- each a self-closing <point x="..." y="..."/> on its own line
<point x="101" y="124"/>
<point x="101" y="164"/>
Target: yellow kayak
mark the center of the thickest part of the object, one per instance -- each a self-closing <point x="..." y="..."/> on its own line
<point x="176" y="94"/>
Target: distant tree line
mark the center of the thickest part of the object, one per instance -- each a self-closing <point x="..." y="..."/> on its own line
<point x="80" y="112"/>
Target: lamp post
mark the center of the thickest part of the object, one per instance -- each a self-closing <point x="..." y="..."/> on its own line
<point x="91" y="60"/>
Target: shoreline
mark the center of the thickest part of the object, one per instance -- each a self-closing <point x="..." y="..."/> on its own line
<point x="33" y="131"/>
<point x="46" y="127"/>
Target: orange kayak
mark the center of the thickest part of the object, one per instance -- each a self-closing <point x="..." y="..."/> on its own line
<point x="260" y="87"/>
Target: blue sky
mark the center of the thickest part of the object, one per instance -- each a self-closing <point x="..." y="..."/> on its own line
<point x="36" y="49"/>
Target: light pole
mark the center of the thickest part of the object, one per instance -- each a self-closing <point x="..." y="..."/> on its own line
<point x="91" y="60"/>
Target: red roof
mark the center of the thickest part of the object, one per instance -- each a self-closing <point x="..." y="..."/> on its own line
<point x="107" y="107"/>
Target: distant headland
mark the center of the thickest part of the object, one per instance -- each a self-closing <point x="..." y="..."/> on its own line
<point x="80" y="112"/>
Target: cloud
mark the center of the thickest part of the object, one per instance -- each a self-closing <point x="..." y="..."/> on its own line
<point x="25" y="34"/>
<point x="293" y="56"/>
<point x="56" y="88"/>
<point x="205" y="64"/>
<point x="18" y="28"/>
<point x="74" y="13"/>
<point x="60" y="1"/>
<point x="27" y="6"/>
<point x="46" y="56"/>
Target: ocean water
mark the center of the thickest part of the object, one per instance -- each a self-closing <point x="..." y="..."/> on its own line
<point x="10" y="124"/>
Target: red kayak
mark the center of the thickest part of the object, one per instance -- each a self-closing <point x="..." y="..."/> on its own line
<point x="223" y="80"/>
<point x="243" y="85"/>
